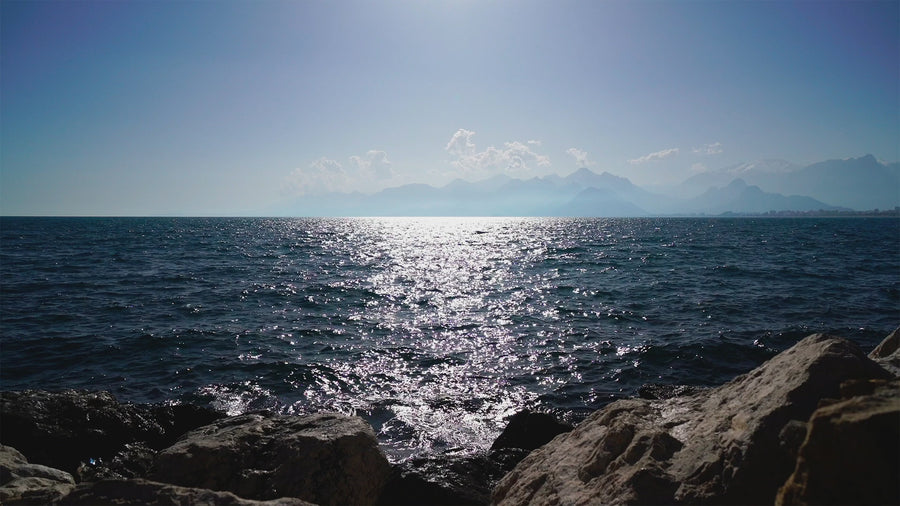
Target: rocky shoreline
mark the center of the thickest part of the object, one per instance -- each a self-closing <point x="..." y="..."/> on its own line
<point x="817" y="424"/>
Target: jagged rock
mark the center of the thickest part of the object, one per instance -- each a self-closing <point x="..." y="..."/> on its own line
<point x="528" y="430"/>
<point x="22" y="483"/>
<point x="137" y="492"/>
<point x="723" y="445"/>
<point x="325" y="458"/>
<point x="62" y="429"/>
<point x="887" y="353"/>
<point x="851" y="454"/>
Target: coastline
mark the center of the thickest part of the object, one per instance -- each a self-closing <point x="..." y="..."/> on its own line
<point x="760" y="446"/>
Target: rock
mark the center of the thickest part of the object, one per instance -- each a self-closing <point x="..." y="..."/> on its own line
<point x="723" y="445"/>
<point x="62" y="429"/>
<point x="325" y="458"/>
<point x="851" y="454"/>
<point x="660" y="391"/>
<point x="449" y="480"/>
<point x="24" y="483"/>
<point x="137" y="492"/>
<point x="467" y="480"/>
<point x="887" y="353"/>
<point x="134" y="461"/>
<point x="528" y="430"/>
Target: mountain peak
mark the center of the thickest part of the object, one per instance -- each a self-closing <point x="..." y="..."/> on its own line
<point x="582" y="172"/>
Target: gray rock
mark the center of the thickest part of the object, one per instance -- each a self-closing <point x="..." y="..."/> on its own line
<point x="325" y="458"/>
<point x="724" y="445"/>
<point x="62" y="429"/>
<point x="137" y="492"/>
<point x="22" y="483"/>
<point x="887" y="353"/>
<point x="851" y="454"/>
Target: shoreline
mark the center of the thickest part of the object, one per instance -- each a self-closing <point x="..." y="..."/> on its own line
<point x="75" y="443"/>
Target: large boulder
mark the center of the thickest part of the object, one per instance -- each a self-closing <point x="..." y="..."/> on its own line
<point x="851" y="454"/>
<point x="729" y="444"/>
<point x="22" y="483"/>
<point x="325" y="458"/>
<point x="137" y="492"/>
<point x="62" y="429"/>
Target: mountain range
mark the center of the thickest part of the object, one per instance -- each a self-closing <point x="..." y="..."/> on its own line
<point x="763" y="186"/>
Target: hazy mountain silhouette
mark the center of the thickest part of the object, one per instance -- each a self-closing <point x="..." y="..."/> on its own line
<point x="756" y="172"/>
<point x="857" y="183"/>
<point x="739" y="197"/>
<point x="756" y="187"/>
<point x="861" y="183"/>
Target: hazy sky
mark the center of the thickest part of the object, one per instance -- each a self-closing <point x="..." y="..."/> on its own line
<point x="200" y="107"/>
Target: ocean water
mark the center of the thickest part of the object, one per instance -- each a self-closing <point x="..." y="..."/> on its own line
<point x="433" y="329"/>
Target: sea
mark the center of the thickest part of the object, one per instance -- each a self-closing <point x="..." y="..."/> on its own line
<point x="435" y="330"/>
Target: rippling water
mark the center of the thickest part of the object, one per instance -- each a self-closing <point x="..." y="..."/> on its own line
<point x="432" y="329"/>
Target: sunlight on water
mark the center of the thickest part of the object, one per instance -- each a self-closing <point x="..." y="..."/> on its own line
<point x="447" y="289"/>
<point x="434" y="330"/>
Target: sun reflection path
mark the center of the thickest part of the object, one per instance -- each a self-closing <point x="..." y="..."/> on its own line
<point x="448" y="292"/>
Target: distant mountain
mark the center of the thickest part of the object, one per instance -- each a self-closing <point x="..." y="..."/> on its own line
<point x="858" y="183"/>
<point x="600" y="202"/>
<point x="739" y="197"/>
<point x="861" y="183"/>
<point x="757" y="187"/>
<point x="639" y="199"/>
<point x="753" y="172"/>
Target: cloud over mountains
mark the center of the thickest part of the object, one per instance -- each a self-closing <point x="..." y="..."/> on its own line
<point x="514" y="158"/>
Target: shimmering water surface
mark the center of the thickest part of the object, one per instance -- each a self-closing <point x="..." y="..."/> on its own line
<point x="434" y="329"/>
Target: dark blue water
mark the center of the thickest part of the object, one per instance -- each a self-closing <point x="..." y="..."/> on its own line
<point x="432" y="329"/>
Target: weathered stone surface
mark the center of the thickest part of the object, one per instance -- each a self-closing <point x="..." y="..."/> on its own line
<point x="325" y="458"/>
<point x="724" y="445"/>
<point x="529" y="430"/>
<point x="851" y="454"/>
<point x="887" y="353"/>
<point x="137" y="492"/>
<point x="22" y="483"/>
<point x="62" y="429"/>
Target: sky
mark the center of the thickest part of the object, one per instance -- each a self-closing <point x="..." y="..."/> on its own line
<point x="232" y="107"/>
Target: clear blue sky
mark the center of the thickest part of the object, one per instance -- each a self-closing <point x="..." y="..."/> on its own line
<point x="197" y="108"/>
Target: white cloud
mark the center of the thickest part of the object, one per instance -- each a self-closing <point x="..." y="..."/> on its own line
<point x="580" y="156"/>
<point x="709" y="149"/>
<point x="513" y="158"/>
<point x="659" y="155"/>
<point x="325" y="175"/>
<point x="698" y="167"/>
<point x="322" y="175"/>
<point x="374" y="164"/>
<point x="461" y="144"/>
